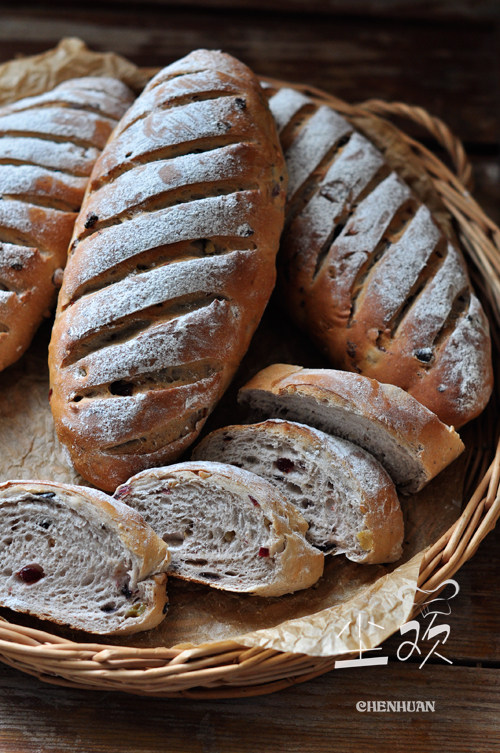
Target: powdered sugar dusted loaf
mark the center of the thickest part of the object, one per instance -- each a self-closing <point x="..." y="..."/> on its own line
<point x="408" y="439"/>
<point x="48" y="146"/>
<point x="226" y="527"/>
<point x="171" y="266"/>
<point x="369" y="274"/>
<point x="344" y="494"/>
<point x="78" y="557"/>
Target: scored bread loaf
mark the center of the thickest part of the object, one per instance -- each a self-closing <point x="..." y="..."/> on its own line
<point x="410" y="441"/>
<point x="48" y="146"/>
<point x="226" y="527"/>
<point x="367" y="272"/>
<point x="75" y="556"/>
<point x="172" y="264"/>
<point x="344" y="494"/>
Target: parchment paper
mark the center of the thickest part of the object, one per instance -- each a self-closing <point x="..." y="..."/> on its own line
<point x="351" y="604"/>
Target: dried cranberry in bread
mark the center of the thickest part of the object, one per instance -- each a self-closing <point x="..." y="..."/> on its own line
<point x="75" y="556"/>
<point x="48" y="146"/>
<point x="343" y="493"/>
<point x="226" y="528"/>
<point x="408" y="439"/>
<point x="367" y="271"/>
<point x="172" y="264"/>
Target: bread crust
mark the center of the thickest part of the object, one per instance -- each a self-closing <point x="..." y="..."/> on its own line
<point x="48" y="145"/>
<point x="429" y="444"/>
<point x="367" y="272"/>
<point x="298" y="564"/>
<point x="149" y="553"/>
<point x="172" y="264"/>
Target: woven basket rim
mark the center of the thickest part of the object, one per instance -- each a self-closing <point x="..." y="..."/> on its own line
<point x="223" y="669"/>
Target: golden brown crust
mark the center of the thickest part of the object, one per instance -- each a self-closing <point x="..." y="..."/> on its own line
<point x="368" y="273"/>
<point x="48" y="145"/>
<point x="393" y="413"/>
<point x="173" y="261"/>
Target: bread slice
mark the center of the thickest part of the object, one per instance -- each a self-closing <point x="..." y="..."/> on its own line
<point x="408" y="439"/>
<point x="344" y="494"/>
<point x="75" y="556"/>
<point x="226" y="527"/>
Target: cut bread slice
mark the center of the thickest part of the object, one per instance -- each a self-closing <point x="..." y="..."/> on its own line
<point x="226" y="527"/>
<point x="408" y="439"/>
<point x="77" y="557"/>
<point x="344" y="494"/>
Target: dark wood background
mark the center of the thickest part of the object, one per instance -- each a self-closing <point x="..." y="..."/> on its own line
<point x="445" y="56"/>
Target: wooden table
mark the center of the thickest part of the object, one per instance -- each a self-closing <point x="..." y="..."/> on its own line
<point x="444" y="56"/>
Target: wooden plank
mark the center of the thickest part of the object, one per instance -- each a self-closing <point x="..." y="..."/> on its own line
<point x="452" y="71"/>
<point x="318" y="716"/>
<point x="470" y="10"/>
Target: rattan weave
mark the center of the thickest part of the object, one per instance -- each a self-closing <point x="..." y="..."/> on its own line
<point x="227" y="669"/>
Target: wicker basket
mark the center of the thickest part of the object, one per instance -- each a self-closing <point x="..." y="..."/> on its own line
<point x="225" y="668"/>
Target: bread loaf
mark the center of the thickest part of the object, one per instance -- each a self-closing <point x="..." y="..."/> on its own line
<point x="75" y="556"/>
<point x="367" y="272"/>
<point x="172" y="264"/>
<point x="226" y="527"/>
<point x="344" y="494"/>
<point x="410" y="442"/>
<point x="48" y="146"/>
